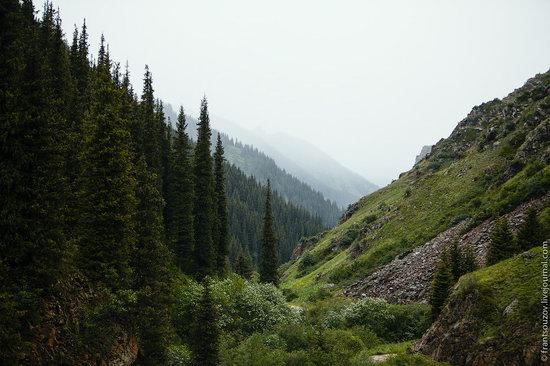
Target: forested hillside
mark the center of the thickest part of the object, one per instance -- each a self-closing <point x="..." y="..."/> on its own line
<point x="260" y="166"/>
<point x="107" y="211"/>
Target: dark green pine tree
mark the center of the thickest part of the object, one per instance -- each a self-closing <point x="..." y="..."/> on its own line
<point x="221" y="232"/>
<point x="203" y="209"/>
<point x="441" y="285"/>
<point x="152" y="274"/>
<point x="149" y="131"/>
<point x="204" y="331"/>
<point x="454" y="257"/>
<point x="33" y="245"/>
<point x="107" y="185"/>
<point x="182" y="197"/>
<point x="530" y="233"/>
<point x="243" y="265"/>
<point x="268" y="263"/>
<point x="469" y="262"/>
<point x="502" y="244"/>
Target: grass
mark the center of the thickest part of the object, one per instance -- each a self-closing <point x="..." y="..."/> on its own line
<point x="516" y="279"/>
<point x="432" y="204"/>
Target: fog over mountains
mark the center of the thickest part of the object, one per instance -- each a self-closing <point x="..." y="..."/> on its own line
<point x="297" y="157"/>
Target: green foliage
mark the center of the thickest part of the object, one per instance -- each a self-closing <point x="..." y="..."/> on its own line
<point x="243" y="307"/>
<point x="503" y="244"/>
<point x="107" y="183"/>
<point x="269" y="260"/>
<point x="181" y="204"/>
<point x="221" y="233"/>
<point x="178" y="355"/>
<point x="246" y="204"/>
<point x="441" y="286"/>
<point x="530" y="233"/>
<point x="204" y="209"/>
<point x="153" y="279"/>
<point x="388" y="321"/>
<point x="204" y="340"/>
<point x="244" y="266"/>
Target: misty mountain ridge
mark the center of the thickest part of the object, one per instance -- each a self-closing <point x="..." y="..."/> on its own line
<point x="299" y="158"/>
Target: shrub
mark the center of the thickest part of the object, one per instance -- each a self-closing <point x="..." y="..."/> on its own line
<point x="243" y="306"/>
<point x="178" y="355"/>
<point x="388" y="321"/>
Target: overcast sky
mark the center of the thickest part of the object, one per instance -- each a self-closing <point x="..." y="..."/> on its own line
<point x="369" y="82"/>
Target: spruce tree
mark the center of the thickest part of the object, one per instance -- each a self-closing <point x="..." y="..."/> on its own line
<point x="182" y="197"/>
<point x="149" y="133"/>
<point x="468" y="262"/>
<point x="502" y="244"/>
<point x="203" y="210"/>
<point x="530" y="233"/>
<point x="441" y="285"/>
<point x="152" y="274"/>
<point x="243" y="265"/>
<point x="205" y="332"/>
<point x="455" y="260"/>
<point x="221" y="233"/>
<point x="268" y="264"/>
<point x="107" y="185"/>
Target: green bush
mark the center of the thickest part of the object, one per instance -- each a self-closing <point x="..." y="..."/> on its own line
<point x="388" y="321"/>
<point x="243" y="306"/>
<point x="178" y="355"/>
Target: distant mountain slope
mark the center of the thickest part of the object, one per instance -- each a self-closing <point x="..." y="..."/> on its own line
<point x="496" y="159"/>
<point x="246" y="201"/>
<point x="304" y="161"/>
<point x="257" y="164"/>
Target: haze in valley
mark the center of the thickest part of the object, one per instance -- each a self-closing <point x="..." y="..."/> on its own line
<point x="368" y="82"/>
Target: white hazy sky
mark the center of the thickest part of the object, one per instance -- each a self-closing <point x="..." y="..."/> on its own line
<point x="367" y="81"/>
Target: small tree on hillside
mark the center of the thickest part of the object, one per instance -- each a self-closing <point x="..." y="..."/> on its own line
<point x="502" y="244"/>
<point x="468" y="261"/>
<point x="441" y="285"/>
<point x="530" y="233"/>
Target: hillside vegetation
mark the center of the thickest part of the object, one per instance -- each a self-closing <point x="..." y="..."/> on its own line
<point x="494" y="160"/>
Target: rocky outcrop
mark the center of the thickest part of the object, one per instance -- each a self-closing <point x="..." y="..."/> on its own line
<point x="459" y="336"/>
<point x="56" y="339"/>
<point x="426" y="150"/>
<point x="407" y="279"/>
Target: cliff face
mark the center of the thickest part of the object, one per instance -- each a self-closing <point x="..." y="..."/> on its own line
<point x="61" y="340"/>
<point x="493" y="317"/>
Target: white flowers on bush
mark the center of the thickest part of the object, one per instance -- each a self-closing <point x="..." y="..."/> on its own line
<point x="370" y="312"/>
<point x="241" y="305"/>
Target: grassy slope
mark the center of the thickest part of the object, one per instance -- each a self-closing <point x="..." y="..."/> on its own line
<point x="517" y="278"/>
<point x="437" y="193"/>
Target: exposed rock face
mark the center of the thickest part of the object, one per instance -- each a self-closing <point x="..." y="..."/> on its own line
<point x="304" y="244"/>
<point x="426" y="150"/>
<point x="55" y="343"/>
<point x="459" y="338"/>
<point x="407" y="279"/>
<point x="454" y="338"/>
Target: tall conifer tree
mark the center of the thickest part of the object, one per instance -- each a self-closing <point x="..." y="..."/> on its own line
<point x="205" y="332"/>
<point x="441" y="285"/>
<point x="182" y="197"/>
<point x="203" y="210"/>
<point x="221" y="234"/>
<point x="152" y="274"/>
<point x="268" y="264"/>
<point x="108" y="185"/>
